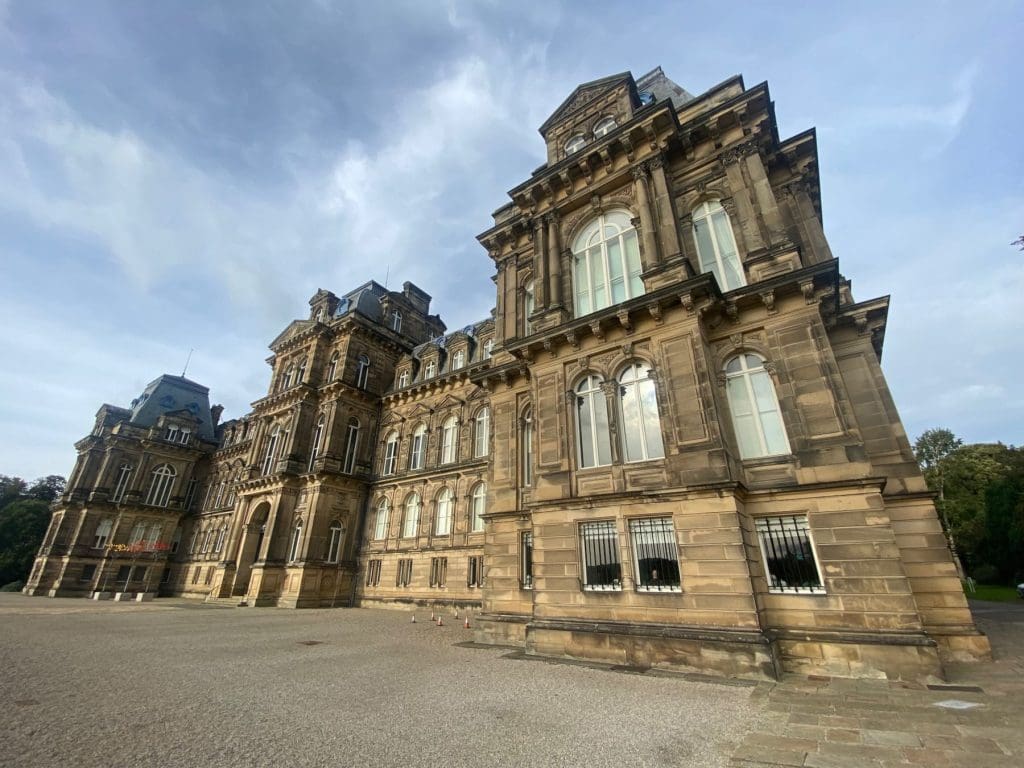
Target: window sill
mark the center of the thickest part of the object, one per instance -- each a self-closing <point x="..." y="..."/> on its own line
<point x="589" y="588"/>
<point x="778" y="458"/>
<point x="660" y="590"/>
<point x="798" y="591"/>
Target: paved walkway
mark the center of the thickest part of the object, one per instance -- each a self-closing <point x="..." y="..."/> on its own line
<point x="860" y="723"/>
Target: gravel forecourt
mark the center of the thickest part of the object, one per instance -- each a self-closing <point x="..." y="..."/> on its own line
<point x="176" y="683"/>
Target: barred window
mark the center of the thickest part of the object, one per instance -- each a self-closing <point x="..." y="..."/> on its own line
<point x="373" y="573"/>
<point x="404" y="578"/>
<point x="526" y="560"/>
<point x="789" y="560"/>
<point x="438" y="571"/>
<point x="655" y="555"/>
<point x="475" y="572"/>
<point x="602" y="567"/>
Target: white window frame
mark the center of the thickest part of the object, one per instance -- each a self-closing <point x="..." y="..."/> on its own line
<point x="638" y="394"/>
<point x="362" y="371"/>
<point x="390" y="454"/>
<point x="411" y="516"/>
<point x="296" y="542"/>
<point x="403" y="379"/>
<point x="753" y="443"/>
<point x="590" y="397"/>
<point x="431" y="370"/>
<point x="477" y="507"/>
<point x="593" y="285"/>
<point x="529" y="305"/>
<point x="351" y="445"/>
<point x="270" y="454"/>
<point x="715" y="262"/>
<point x="450" y="440"/>
<point x="106" y="525"/>
<point x="124" y="476"/>
<point x="458" y="360"/>
<point x="334" y="542"/>
<point x="160" y="486"/>
<point x="396" y="321"/>
<point x="482" y="433"/>
<point x="802" y="524"/>
<point x="418" y="449"/>
<point x="380" y="523"/>
<point x="318" y="436"/>
<point x="332" y="368"/>
<point x="605" y="126"/>
<point x="575" y="143"/>
<point x="445" y="512"/>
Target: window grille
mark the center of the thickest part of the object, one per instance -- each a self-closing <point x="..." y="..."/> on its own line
<point x="88" y="571"/>
<point x="526" y="560"/>
<point x="475" y="572"/>
<point x="438" y="571"/>
<point x="602" y="568"/>
<point x="373" y="573"/>
<point x="655" y="555"/>
<point x="404" y="573"/>
<point x="790" y="564"/>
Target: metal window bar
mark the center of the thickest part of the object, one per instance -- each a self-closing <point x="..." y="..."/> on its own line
<point x="656" y="555"/>
<point x="527" y="564"/>
<point x="789" y="558"/>
<point x="602" y="568"/>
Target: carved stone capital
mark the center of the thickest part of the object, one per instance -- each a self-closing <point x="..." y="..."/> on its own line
<point x="807" y="289"/>
<point x="687" y="301"/>
<point x="768" y="297"/>
<point x="639" y="171"/>
<point x="657" y="161"/>
<point x="595" y="328"/>
<point x="655" y="310"/>
<point x="623" y="317"/>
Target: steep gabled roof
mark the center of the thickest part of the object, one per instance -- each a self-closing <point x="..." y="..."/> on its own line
<point x="584" y="94"/>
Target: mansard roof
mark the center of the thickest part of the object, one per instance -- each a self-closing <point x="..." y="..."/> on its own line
<point x="172" y="394"/>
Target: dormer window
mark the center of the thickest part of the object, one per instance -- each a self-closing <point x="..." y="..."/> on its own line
<point x="403" y="379"/>
<point x="431" y="370"/>
<point x="458" y="360"/>
<point x="575" y="144"/>
<point x="604" y="126"/>
<point x="320" y="315"/>
<point x="396" y="321"/>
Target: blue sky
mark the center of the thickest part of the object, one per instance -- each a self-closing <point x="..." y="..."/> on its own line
<point x="186" y="175"/>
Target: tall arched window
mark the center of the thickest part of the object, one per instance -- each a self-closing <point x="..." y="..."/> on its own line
<point x="293" y="549"/>
<point x="529" y="305"/>
<point x="526" y="449"/>
<point x="288" y="377"/>
<point x="138" y="534"/>
<point x="606" y="263"/>
<point x="334" y="539"/>
<point x="318" y="436"/>
<point x="592" y="424"/>
<point x="716" y="246"/>
<point x="362" y="371"/>
<point x="270" y="455"/>
<point x="638" y="410"/>
<point x="477" y="506"/>
<point x="351" y="445"/>
<point x="160" y="485"/>
<point x="445" y="507"/>
<point x="449" y="440"/>
<point x="419" y="447"/>
<point x="411" y="521"/>
<point x="221" y="535"/>
<point x="124" y="475"/>
<point x="390" y="454"/>
<point x="604" y="126"/>
<point x="102" y="533"/>
<point x="396" y="321"/>
<point x="380" y="526"/>
<point x="301" y="377"/>
<point x="756" y="417"/>
<point x="332" y="368"/>
<point x="154" y="535"/>
<point x="482" y="433"/>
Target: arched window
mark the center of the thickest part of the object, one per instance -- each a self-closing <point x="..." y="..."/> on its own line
<point x="380" y="527"/>
<point x="160" y="485"/>
<point x="314" y="448"/>
<point x="293" y="549"/>
<point x="332" y="368"/>
<point x="220" y="495"/>
<point x="638" y="410"/>
<point x="301" y="377"/>
<point x="124" y="475"/>
<point x="449" y="440"/>
<point x="604" y="126"/>
<point x="529" y="305"/>
<point x="431" y="371"/>
<point x="138" y="534"/>
<point x="334" y="539"/>
<point x="606" y="263"/>
<point x="488" y="348"/>
<point x="419" y="447"/>
<point x="270" y="455"/>
<point x="477" y="506"/>
<point x="715" y="245"/>
<point x="102" y="533"/>
<point x="756" y="417"/>
<point x="396" y="321"/>
<point x="154" y="535"/>
<point x="362" y="371"/>
<point x="221" y="535"/>
<point x="482" y="433"/>
<point x="176" y="540"/>
<point x="575" y="144"/>
<point x="288" y="375"/>
<point x="390" y="454"/>
<point x="351" y="445"/>
<point x="592" y="424"/>
<point x="445" y="507"/>
<point x="459" y="360"/>
<point x="403" y="379"/>
<point x="526" y="449"/>
<point x="207" y="540"/>
<point x="411" y="522"/>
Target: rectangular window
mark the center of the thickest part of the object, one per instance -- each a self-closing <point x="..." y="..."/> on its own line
<point x="209" y="576"/>
<point x="789" y="560"/>
<point x="124" y="572"/>
<point x="373" y="573"/>
<point x="475" y="572"/>
<point x="526" y="560"/>
<point x="602" y="567"/>
<point x="88" y="572"/>
<point x="438" y="571"/>
<point x="404" y="578"/>
<point x="195" y="575"/>
<point x="166" y="577"/>
<point x="655" y="555"/>
<point x="140" y="573"/>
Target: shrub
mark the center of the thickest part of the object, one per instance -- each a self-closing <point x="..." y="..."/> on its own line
<point x="14" y="586"/>
<point x="986" y="574"/>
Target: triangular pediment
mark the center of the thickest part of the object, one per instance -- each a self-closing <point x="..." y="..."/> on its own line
<point x="478" y="393"/>
<point x="583" y="95"/>
<point x="449" y="401"/>
<point x="420" y="410"/>
<point x="390" y="418"/>
<point x="294" y="328"/>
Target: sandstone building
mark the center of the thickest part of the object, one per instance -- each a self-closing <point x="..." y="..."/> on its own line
<point x="671" y="444"/>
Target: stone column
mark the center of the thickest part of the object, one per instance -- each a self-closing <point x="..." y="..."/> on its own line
<point x="746" y="218"/>
<point x="667" y="229"/>
<point x="611" y="397"/>
<point x="554" y="271"/>
<point x="649" y="255"/>
<point x="765" y="198"/>
<point x="501" y="320"/>
<point x="540" y="264"/>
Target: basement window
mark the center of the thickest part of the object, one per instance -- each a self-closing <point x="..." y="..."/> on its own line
<point x="789" y="561"/>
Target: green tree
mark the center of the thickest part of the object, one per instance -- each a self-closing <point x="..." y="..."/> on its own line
<point x="23" y="524"/>
<point x="47" y="488"/>
<point x="966" y="475"/>
<point x="11" y="489"/>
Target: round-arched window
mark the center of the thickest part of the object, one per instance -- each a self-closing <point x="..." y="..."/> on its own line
<point x="606" y="263"/>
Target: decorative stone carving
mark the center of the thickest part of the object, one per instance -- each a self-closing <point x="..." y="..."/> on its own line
<point x="623" y="316"/>
<point x="768" y="297"/>
<point x="807" y="289"/>
<point x="627" y="349"/>
<point x="595" y="328"/>
<point x="732" y="311"/>
<point x="687" y="301"/>
<point x="736" y="340"/>
<point x="570" y="336"/>
<point x="655" y="310"/>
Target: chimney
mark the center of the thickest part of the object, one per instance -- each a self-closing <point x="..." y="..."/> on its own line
<point x="215" y="412"/>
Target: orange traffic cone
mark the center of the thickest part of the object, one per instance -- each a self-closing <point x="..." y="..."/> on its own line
<point x="465" y="624"/>
<point x="414" y="618"/>
<point x="456" y="613"/>
<point x="439" y="622"/>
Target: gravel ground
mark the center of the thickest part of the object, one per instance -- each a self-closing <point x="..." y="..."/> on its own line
<point x="174" y="683"/>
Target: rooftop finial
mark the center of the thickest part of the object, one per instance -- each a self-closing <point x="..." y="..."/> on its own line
<point x="187" y="361"/>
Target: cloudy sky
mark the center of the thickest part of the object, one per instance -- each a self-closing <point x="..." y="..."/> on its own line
<point x="179" y="175"/>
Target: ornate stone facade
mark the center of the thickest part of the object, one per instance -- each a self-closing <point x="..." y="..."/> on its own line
<point x="671" y="445"/>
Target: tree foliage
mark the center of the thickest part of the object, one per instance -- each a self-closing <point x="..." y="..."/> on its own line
<point x="24" y="518"/>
